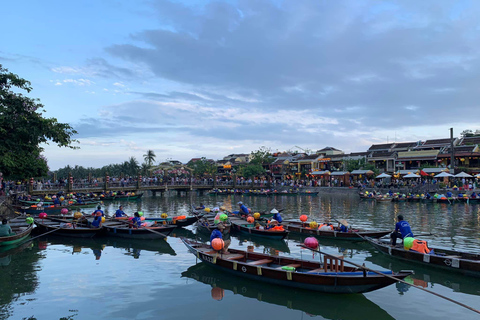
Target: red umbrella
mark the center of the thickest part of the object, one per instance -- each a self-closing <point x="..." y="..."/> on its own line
<point x="423" y="173"/>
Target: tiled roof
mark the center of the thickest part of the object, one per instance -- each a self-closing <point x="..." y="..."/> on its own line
<point x="437" y="141"/>
<point x="405" y="145"/>
<point x="385" y="146"/>
<point x="470" y="140"/>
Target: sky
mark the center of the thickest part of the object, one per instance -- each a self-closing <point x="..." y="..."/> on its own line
<point x="191" y="79"/>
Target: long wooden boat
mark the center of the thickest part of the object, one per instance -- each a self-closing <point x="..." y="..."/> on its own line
<point x="331" y="276"/>
<point x="34" y="210"/>
<point x="22" y="231"/>
<point x="241" y="225"/>
<point x="122" y="230"/>
<point x="66" y="228"/>
<point x="187" y="221"/>
<point x="207" y="225"/>
<point x="325" y="305"/>
<point x="354" y="235"/>
<point x="466" y="263"/>
<point x="121" y="197"/>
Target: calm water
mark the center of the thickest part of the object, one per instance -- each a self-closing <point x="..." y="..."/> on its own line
<point x="106" y="278"/>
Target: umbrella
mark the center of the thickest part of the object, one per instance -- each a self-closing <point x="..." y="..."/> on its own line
<point x="443" y="175"/>
<point x="463" y="175"/>
<point x="383" y="175"/>
<point x="423" y="173"/>
<point x="412" y="175"/>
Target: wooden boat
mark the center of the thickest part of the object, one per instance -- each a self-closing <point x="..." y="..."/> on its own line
<point x="121" y="229"/>
<point x="241" y="225"/>
<point x="383" y="198"/>
<point x="22" y="231"/>
<point x="466" y="263"/>
<point x="34" y="210"/>
<point x="187" y="221"/>
<point x="325" y="305"/>
<point x="303" y="228"/>
<point x="121" y="197"/>
<point x="207" y="225"/>
<point x="331" y="276"/>
<point x="66" y="227"/>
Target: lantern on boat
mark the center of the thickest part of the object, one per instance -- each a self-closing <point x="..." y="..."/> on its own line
<point x="223" y="217"/>
<point x="164" y="215"/>
<point x="42" y="215"/>
<point x="103" y="219"/>
<point x="313" y="224"/>
<point x="140" y="213"/>
<point x="77" y="215"/>
<point x="250" y="219"/>
<point x="29" y="220"/>
<point x="207" y="209"/>
<point x="408" y="243"/>
<point x="62" y="198"/>
<point x="217" y="244"/>
<point x="303" y="218"/>
<point x="256" y="215"/>
<point x="217" y="293"/>
<point x="311" y="243"/>
<point x="64" y="211"/>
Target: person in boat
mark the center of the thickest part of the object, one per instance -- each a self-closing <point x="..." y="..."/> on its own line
<point x="5" y="229"/>
<point x="276" y="215"/>
<point x="473" y="195"/>
<point x="402" y="230"/>
<point x="97" y="221"/>
<point x="136" y="222"/>
<point x="428" y="196"/>
<point x="342" y="225"/>
<point x="99" y="209"/>
<point x="119" y="213"/>
<point x="243" y="209"/>
<point x="200" y="207"/>
<point x="271" y="224"/>
<point x="221" y="226"/>
<point x="449" y="194"/>
<point x="56" y="202"/>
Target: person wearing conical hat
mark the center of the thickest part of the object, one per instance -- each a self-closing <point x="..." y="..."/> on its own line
<point x="276" y="215"/>
<point x="343" y="225"/>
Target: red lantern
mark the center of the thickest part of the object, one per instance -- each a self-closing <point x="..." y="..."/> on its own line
<point x="303" y="218"/>
<point x="217" y="244"/>
<point x="250" y="220"/>
<point x="311" y="243"/>
<point x="42" y="215"/>
<point x="31" y="181"/>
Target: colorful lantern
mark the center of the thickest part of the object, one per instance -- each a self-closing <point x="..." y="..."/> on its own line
<point x="311" y="242"/>
<point x="42" y="215"/>
<point x="303" y="218"/>
<point x="217" y="244"/>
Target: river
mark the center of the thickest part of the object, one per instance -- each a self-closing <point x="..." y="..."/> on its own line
<point x="108" y="278"/>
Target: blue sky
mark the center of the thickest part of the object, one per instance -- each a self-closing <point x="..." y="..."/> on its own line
<point x="209" y="78"/>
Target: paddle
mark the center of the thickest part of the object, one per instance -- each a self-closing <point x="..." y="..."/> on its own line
<point x="154" y="231"/>
<point x="43" y="234"/>
<point x="391" y="277"/>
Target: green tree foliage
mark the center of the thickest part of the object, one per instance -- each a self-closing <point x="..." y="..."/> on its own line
<point x="202" y="167"/>
<point x="23" y="129"/>
<point x="361" y="164"/>
<point x="128" y="168"/>
<point x="260" y="161"/>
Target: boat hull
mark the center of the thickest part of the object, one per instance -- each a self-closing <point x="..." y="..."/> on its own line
<point x="337" y="235"/>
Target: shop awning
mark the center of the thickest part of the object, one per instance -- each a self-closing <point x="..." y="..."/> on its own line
<point x="417" y="155"/>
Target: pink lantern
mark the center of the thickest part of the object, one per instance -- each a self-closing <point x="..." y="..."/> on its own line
<point x="311" y="243"/>
<point x="64" y="211"/>
<point x="42" y="215"/>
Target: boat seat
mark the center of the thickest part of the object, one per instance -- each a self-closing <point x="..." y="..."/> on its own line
<point x="234" y="257"/>
<point x="260" y="262"/>
<point x="316" y="270"/>
<point x="293" y="265"/>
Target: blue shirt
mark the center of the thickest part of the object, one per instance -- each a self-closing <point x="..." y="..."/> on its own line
<point x="343" y="228"/>
<point x="96" y="222"/>
<point x="449" y="194"/>
<point x="278" y="217"/>
<point x="119" y="213"/>
<point x="137" y="222"/>
<point x="101" y="211"/>
<point x="244" y="209"/>
<point x="404" y="228"/>
<point x="215" y="234"/>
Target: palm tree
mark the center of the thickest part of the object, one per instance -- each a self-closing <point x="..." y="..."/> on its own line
<point x="133" y="166"/>
<point x="149" y="157"/>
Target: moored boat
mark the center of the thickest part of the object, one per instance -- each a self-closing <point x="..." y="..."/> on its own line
<point x="353" y="235"/>
<point x="22" y="230"/>
<point x="177" y="221"/>
<point x="242" y="225"/>
<point x="466" y="263"/>
<point x="331" y="276"/>
<point x="121" y="229"/>
<point x="66" y="228"/>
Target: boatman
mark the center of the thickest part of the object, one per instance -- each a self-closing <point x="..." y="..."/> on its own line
<point x="276" y="215"/>
<point x="222" y="227"/>
<point x="5" y="229"/>
<point x="243" y="209"/>
<point x="99" y="209"/>
<point x="119" y="213"/>
<point x="136" y="222"/>
<point x="402" y="230"/>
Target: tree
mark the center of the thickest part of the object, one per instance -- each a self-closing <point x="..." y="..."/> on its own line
<point x="133" y="166"/>
<point x="149" y="157"/>
<point x="23" y="129"/>
<point x="260" y="161"/>
<point x="203" y="167"/>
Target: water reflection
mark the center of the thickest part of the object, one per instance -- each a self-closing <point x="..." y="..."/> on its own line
<point x="427" y="277"/>
<point x="354" y="306"/>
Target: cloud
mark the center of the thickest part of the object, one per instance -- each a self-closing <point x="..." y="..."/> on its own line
<point x="366" y="60"/>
